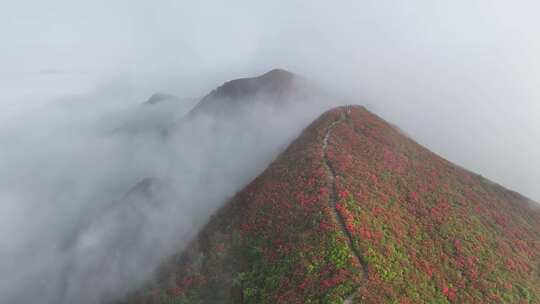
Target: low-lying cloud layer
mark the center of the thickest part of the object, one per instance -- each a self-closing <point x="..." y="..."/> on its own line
<point x="95" y="197"/>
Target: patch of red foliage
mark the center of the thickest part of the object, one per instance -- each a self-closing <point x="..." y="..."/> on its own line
<point x="429" y="231"/>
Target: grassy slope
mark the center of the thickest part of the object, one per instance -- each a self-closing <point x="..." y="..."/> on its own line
<point x="372" y="217"/>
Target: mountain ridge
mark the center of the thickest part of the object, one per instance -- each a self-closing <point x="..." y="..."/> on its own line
<point x="407" y="227"/>
<point x="276" y="88"/>
<point x="334" y="198"/>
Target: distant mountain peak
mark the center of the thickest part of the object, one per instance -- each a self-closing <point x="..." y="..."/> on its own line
<point x="274" y="81"/>
<point x="160" y="97"/>
<point x="277" y="75"/>
<point x="276" y="86"/>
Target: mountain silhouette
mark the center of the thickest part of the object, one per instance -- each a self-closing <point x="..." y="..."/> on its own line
<point x="354" y="211"/>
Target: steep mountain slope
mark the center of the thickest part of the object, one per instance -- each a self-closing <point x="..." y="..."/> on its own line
<point x="356" y="212"/>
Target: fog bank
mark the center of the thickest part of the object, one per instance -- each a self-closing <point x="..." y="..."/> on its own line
<point x="461" y="77"/>
<point x="95" y="197"/>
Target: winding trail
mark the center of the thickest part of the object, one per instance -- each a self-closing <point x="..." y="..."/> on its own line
<point x="334" y="199"/>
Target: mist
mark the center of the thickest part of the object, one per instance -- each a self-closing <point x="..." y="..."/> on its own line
<point x="96" y="194"/>
<point x="80" y="151"/>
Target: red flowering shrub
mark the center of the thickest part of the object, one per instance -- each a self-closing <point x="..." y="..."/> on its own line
<point x="355" y="209"/>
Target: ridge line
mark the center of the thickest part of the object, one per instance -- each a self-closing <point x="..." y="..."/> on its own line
<point x="343" y="115"/>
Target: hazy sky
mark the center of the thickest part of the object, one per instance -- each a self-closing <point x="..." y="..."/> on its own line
<point x="462" y="77"/>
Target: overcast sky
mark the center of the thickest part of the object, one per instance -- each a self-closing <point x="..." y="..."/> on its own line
<point x="462" y="77"/>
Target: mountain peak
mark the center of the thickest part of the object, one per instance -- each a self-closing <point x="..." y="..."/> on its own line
<point x="272" y="82"/>
<point x="278" y="74"/>
<point x="160" y="97"/>
<point x="353" y="211"/>
<point x="276" y="86"/>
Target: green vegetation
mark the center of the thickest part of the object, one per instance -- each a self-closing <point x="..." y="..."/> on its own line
<point x="427" y="230"/>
